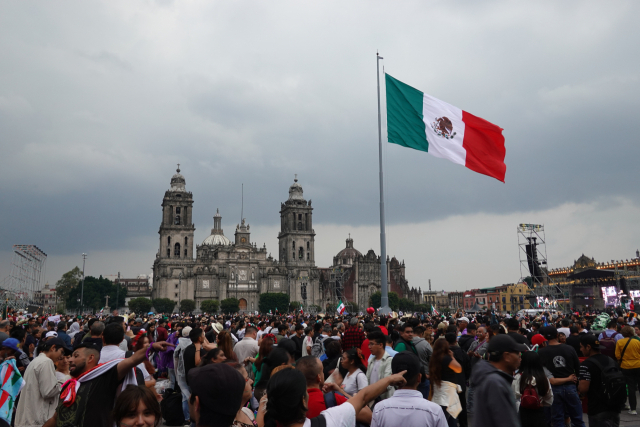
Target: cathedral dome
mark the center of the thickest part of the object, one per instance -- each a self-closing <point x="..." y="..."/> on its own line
<point x="216" y="240"/>
<point x="217" y="237"/>
<point x="177" y="181"/>
<point x="295" y="191"/>
<point x="347" y="255"/>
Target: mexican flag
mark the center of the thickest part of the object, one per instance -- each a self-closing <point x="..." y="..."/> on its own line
<point x="341" y="307"/>
<point x="434" y="311"/>
<point x="422" y="122"/>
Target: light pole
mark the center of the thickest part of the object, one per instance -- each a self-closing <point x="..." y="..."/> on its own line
<point x="179" y="290"/>
<point x="84" y="258"/>
<point x="118" y="291"/>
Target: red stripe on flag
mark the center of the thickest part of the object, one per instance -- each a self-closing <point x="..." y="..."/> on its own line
<point x="484" y="144"/>
<point x="3" y="398"/>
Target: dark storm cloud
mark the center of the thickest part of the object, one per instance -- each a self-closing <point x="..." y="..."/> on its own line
<point x="99" y="104"/>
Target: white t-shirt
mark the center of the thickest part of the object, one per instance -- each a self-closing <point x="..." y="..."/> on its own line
<point x="308" y="342"/>
<point x="355" y="382"/>
<point x="339" y="416"/>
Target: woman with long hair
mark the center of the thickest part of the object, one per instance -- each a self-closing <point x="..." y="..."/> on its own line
<point x="531" y="375"/>
<point x="136" y="406"/>
<point x="266" y="346"/>
<point x="356" y="377"/>
<point x="443" y="368"/>
<point x="224" y="342"/>
<point x="244" y="417"/>
<point x="277" y="357"/>
<point x="139" y="342"/>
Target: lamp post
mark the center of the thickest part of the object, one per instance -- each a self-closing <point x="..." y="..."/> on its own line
<point x="118" y="291"/>
<point x="84" y="258"/>
<point x="179" y="290"/>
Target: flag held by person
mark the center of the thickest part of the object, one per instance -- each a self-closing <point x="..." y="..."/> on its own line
<point x="341" y="307"/>
<point x="422" y="122"/>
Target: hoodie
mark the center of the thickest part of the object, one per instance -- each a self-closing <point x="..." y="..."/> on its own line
<point x="424" y="351"/>
<point x="465" y="341"/>
<point x="493" y="390"/>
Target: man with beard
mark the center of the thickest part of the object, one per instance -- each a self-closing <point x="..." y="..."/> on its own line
<point x="87" y="398"/>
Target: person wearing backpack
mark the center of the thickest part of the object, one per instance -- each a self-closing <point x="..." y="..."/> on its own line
<point x="563" y="363"/>
<point x="628" y="357"/>
<point x="532" y="390"/>
<point x="602" y="382"/>
<point x="609" y="338"/>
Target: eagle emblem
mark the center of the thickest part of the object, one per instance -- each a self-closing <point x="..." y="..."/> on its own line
<point x="443" y="127"/>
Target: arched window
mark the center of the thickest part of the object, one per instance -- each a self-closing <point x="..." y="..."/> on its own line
<point x="293" y="245"/>
<point x="300" y="253"/>
<point x="178" y="210"/>
<point x="186" y="241"/>
<point x="299" y="226"/>
<point x="294" y="221"/>
<point x="177" y="220"/>
<point x="168" y="252"/>
<point x="185" y="253"/>
<point x="307" y="245"/>
<point x="176" y="250"/>
<point x="168" y="240"/>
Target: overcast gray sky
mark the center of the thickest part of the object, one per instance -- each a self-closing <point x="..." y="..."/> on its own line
<point x="100" y="100"/>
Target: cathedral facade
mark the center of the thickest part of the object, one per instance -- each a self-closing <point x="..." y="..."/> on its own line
<point x="222" y="268"/>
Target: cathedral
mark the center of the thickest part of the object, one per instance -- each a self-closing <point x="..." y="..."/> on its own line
<point x="222" y="268"/>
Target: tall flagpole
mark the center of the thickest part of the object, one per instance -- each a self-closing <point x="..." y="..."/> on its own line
<point x="384" y="310"/>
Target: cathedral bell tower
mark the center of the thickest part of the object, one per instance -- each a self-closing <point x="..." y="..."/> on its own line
<point x="296" y="246"/>
<point x="176" y="230"/>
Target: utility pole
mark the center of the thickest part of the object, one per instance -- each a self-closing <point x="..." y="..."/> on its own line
<point x="118" y="291"/>
<point x="84" y="258"/>
<point x="179" y="290"/>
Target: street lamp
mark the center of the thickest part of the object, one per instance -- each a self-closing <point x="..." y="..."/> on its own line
<point x="179" y="290"/>
<point x="84" y="258"/>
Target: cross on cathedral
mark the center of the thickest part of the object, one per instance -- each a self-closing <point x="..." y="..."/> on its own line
<point x="178" y="167"/>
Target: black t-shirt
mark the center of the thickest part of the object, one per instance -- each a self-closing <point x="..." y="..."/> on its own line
<point x="561" y="360"/>
<point x="299" y="343"/>
<point x="447" y="373"/>
<point x="574" y="341"/>
<point x="520" y="339"/>
<point x="190" y="358"/>
<point x="590" y="372"/>
<point x="93" y="404"/>
<point x="531" y="334"/>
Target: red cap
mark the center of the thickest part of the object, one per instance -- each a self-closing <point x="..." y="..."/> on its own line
<point x="538" y="339"/>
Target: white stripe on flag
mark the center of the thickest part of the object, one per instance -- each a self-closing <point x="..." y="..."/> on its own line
<point x="439" y="146"/>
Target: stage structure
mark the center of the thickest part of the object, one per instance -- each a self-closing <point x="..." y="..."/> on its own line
<point x="27" y="274"/>
<point x="533" y="264"/>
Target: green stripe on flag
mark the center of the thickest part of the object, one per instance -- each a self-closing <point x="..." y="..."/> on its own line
<point x="404" y="115"/>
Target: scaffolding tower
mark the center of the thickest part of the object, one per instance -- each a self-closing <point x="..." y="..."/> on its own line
<point x="533" y="265"/>
<point x="21" y="288"/>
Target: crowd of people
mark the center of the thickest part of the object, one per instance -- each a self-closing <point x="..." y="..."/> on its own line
<point x="290" y="370"/>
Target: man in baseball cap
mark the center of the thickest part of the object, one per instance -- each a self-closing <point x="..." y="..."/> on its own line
<point x="216" y="395"/>
<point x="492" y="383"/>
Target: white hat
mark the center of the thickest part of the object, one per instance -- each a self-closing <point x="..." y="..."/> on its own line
<point x="463" y="319"/>
<point x="51" y="334"/>
<point x="185" y="331"/>
<point x="217" y="327"/>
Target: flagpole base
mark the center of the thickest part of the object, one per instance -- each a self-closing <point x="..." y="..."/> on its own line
<point x="384" y="311"/>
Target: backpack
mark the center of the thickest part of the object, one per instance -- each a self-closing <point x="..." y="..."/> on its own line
<point x="317" y="349"/>
<point x="171" y="408"/>
<point x="613" y="384"/>
<point x="530" y="398"/>
<point x="609" y="343"/>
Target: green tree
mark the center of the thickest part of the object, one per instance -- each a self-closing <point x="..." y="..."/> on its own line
<point x="68" y="281"/>
<point x="140" y="305"/>
<point x="95" y="291"/>
<point x="230" y="305"/>
<point x="295" y="306"/>
<point x="209" y="306"/>
<point x="187" y="305"/>
<point x="351" y="307"/>
<point x="405" y="304"/>
<point x="376" y="298"/>
<point x="422" y="308"/>
<point x="164" y="305"/>
<point x="273" y="300"/>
